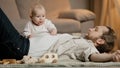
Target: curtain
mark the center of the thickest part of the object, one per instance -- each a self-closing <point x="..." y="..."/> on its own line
<point x="108" y="14"/>
<point x="117" y="4"/>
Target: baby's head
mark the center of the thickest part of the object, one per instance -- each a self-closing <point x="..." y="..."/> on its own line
<point x="38" y="14"/>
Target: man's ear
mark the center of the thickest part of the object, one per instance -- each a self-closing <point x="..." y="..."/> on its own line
<point x="30" y="16"/>
<point x="100" y="41"/>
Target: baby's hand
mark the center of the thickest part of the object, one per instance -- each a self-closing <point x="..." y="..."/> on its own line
<point x="53" y="32"/>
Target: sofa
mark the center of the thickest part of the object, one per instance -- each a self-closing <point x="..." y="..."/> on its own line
<point x="66" y="20"/>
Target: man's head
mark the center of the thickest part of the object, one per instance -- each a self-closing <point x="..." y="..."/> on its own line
<point x="103" y="37"/>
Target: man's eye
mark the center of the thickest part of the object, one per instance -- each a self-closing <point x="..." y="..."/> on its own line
<point x="96" y="30"/>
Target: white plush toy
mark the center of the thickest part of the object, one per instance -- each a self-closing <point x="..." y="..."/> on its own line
<point x="48" y="58"/>
<point x="29" y="60"/>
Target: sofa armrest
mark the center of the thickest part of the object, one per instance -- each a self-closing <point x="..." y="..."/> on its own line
<point x="67" y="25"/>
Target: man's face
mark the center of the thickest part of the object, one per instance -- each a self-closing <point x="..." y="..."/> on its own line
<point x="96" y="32"/>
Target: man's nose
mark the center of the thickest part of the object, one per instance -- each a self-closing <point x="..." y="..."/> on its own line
<point x="91" y="29"/>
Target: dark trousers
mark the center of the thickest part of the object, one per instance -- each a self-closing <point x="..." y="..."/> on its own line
<point x="12" y="44"/>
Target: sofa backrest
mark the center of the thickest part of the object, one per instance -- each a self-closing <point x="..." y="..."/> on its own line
<point x="53" y="7"/>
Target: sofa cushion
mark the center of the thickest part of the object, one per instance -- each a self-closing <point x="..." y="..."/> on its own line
<point x="78" y="14"/>
<point x="11" y="12"/>
<point x="67" y="25"/>
<point x="24" y="7"/>
<point x="20" y="24"/>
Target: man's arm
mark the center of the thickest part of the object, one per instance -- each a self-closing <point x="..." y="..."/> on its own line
<point x="104" y="57"/>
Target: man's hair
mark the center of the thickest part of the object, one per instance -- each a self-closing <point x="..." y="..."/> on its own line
<point x="109" y="38"/>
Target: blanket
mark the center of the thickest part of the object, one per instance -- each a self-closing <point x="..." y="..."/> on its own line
<point x="64" y="60"/>
<point x="40" y="43"/>
<point x="62" y="44"/>
<point x="74" y="48"/>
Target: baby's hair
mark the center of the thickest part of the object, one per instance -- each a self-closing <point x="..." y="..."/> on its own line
<point x="109" y="38"/>
<point x="34" y="7"/>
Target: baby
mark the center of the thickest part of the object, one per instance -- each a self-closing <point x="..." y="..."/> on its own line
<point x="39" y="23"/>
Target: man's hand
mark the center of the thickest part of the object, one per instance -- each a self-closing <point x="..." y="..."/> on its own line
<point x="116" y="56"/>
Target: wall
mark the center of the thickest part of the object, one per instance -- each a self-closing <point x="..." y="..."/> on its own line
<point x="76" y="4"/>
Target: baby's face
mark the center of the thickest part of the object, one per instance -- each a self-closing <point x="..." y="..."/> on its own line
<point x="39" y="17"/>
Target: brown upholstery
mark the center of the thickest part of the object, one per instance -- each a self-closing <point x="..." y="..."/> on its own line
<point x="18" y="13"/>
<point x="68" y="25"/>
